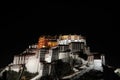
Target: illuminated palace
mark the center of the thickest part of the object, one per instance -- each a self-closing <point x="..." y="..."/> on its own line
<point x="41" y="56"/>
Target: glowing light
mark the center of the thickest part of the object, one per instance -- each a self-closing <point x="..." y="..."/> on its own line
<point x="48" y="58"/>
<point x="52" y="44"/>
<point x="98" y="64"/>
<point x="32" y="65"/>
<point x="42" y="42"/>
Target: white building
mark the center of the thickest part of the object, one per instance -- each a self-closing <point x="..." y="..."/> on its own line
<point x="41" y="59"/>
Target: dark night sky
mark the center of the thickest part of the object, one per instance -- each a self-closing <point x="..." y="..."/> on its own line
<point x="22" y="26"/>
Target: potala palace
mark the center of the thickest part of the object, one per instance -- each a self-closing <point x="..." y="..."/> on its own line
<point x="42" y="56"/>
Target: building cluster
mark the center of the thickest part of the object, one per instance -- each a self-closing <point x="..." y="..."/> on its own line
<point x="42" y="56"/>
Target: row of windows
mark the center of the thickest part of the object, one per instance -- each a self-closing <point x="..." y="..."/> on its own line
<point x="63" y="48"/>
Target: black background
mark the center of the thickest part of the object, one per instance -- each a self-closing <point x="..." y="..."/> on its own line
<point x="22" y="26"/>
